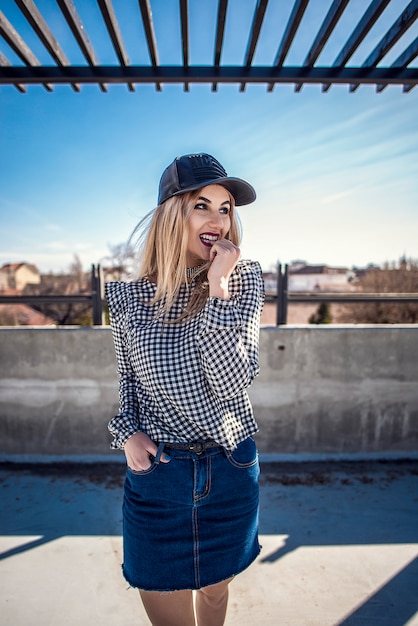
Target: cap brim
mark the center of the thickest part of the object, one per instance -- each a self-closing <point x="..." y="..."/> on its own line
<point x="242" y="192"/>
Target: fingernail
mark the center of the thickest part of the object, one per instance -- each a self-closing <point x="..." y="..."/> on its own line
<point x="167" y="458"/>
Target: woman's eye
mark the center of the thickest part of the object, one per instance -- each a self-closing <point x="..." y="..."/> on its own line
<point x="200" y="206"/>
<point x="225" y="210"/>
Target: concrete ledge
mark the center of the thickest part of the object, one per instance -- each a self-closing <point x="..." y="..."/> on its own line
<point x="324" y="392"/>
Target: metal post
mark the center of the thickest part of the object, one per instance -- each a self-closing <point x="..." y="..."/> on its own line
<point x="97" y="295"/>
<point x="281" y="312"/>
<point x="284" y="297"/>
<point x="278" y="293"/>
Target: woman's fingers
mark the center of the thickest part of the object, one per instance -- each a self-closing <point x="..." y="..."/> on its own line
<point x="224" y="254"/>
<point x="224" y="246"/>
<point x="138" y="450"/>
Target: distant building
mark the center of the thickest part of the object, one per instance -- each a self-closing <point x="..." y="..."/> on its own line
<point x="318" y="278"/>
<point x="18" y="275"/>
<point x="23" y="315"/>
<point x="14" y="277"/>
<point x="305" y="277"/>
<point x="270" y="282"/>
<point x="4" y="284"/>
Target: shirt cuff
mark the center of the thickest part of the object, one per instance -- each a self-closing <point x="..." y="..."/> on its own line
<point x="220" y="314"/>
<point x="121" y="432"/>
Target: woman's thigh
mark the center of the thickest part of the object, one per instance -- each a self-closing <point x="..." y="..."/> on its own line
<point x="173" y="608"/>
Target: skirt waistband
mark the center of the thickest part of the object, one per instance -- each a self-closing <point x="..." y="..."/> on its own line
<point x="193" y="446"/>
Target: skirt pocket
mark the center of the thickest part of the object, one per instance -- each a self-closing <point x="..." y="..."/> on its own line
<point x="149" y="470"/>
<point x="155" y="461"/>
<point x="245" y="454"/>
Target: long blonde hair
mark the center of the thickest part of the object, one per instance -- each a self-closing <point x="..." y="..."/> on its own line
<point x="162" y="239"/>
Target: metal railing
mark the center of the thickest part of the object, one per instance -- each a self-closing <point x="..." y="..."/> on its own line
<point x="95" y="297"/>
<point x="283" y="296"/>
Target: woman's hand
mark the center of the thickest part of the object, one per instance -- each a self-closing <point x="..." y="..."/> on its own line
<point x="224" y="256"/>
<point x="138" y="449"/>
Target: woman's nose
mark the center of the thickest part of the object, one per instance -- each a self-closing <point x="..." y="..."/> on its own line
<point x="216" y="219"/>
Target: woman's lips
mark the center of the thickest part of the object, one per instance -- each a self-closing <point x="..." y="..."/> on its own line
<point x="208" y="239"/>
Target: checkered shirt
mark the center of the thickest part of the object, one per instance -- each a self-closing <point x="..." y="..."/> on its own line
<point x="186" y="381"/>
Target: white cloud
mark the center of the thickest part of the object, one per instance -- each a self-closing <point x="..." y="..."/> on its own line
<point x="335" y="197"/>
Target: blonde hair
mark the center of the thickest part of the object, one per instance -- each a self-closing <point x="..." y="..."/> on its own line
<point x="163" y="241"/>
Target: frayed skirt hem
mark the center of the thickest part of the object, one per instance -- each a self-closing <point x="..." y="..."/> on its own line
<point x="132" y="585"/>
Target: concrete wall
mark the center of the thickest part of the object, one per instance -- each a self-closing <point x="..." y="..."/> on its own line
<point x="323" y="392"/>
<point x="338" y="390"/>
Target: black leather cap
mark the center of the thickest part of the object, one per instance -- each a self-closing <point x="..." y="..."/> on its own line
<point x="194" y="171"/>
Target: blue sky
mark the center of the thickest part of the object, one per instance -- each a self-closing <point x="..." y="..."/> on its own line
<point x="335" y="173"/>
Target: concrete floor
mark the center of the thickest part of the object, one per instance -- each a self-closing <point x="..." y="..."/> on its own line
<point x="340" y="547"/>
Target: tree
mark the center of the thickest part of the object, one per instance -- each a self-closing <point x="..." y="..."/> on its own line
<point x="401" y="277"/>
<point x="76" y="282"/>
<point x="118" y="265"/>
<point x="322" y="314"/>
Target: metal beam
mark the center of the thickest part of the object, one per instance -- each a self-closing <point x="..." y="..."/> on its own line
<point x="220" y="30"/>
<point x="184" y="19"/>
<point x="404" y="21"/>
<point x="17" y="44"/>
<point x="115" y="35"/>
<point x="6" y="63"/>
<point x="370" y="17"/>
<point x="371" y="71"/>
<point x="146" y="14"/>
<point x="74" y="22"/>
<point x="258" y="18"/>
<point x="292" y="26"/>
<point x="331" y="19"/>
<point x="41" y="28"/>
<point x="207" y="74"/>
<point x="362" y="29"/>
<point x="403" y="60"/>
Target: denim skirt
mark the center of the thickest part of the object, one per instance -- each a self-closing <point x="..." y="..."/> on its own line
<point x="192" y="522"/>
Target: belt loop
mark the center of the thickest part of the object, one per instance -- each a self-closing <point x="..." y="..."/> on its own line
<point x="159" y="452"/>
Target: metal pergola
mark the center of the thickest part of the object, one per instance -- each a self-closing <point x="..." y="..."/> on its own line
<point x="28" y="70"/>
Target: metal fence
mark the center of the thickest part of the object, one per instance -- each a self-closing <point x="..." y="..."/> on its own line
<point x="282" y="298"/>
<point x="95" y="297"/>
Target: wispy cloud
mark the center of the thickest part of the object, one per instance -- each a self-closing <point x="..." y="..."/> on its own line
<point x="56" y="245"/>
<point x="335" y="197"/>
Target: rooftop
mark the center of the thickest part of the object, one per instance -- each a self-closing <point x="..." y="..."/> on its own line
<point x="340" y="547"/>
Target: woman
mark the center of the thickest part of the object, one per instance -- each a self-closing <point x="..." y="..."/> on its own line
<point x="186" y="339"/>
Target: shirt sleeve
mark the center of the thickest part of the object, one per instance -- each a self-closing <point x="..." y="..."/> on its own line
<point x="125" y="423"/>
<point x="228" y="339"/>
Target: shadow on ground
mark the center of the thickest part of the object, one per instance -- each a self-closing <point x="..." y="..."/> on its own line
<point x="322" y="504"/>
